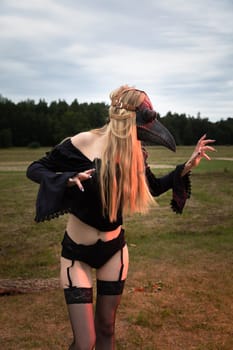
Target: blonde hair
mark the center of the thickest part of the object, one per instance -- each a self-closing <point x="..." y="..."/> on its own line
<point x="122" y="171"/>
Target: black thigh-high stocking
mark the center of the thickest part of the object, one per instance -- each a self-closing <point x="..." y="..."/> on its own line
<point x="81" y="318"/>
<point x="106" y="306"/>
<point x="108" y="299"/>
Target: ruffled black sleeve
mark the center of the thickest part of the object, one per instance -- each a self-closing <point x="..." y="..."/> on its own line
<point x="52" y="198"/>
<point x="52" y="173"/>
<point x="180" y="185"/>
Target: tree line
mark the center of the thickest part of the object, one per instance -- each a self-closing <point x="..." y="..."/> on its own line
<point x="32" y="124"/>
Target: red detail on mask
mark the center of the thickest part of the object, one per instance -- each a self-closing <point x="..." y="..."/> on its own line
<point x="146" y="104"/>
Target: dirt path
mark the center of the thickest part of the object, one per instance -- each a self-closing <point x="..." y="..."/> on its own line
<point x="22" y="166"/>
<point x="224" y="158"/>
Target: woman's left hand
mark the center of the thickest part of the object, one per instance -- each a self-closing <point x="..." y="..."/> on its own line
<point x="199" y="153"/>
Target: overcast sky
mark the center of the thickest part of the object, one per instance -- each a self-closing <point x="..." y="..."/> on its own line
<point x="179" y="51"/>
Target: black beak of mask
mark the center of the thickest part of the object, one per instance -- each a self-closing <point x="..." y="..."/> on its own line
<point x="151" y="131"/>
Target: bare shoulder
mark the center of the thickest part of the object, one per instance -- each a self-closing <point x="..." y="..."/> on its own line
<point x="82" y="139"/>
<point x="90" y="143"/>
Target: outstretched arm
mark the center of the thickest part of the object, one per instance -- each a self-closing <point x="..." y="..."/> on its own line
<point x="178" y="180"/>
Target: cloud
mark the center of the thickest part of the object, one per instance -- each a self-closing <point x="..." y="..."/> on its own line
<point x="179" y="52"/>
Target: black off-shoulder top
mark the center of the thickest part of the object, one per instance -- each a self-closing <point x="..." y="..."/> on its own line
<point x="55" y="198"/>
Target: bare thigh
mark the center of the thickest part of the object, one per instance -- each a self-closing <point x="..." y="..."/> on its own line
<point x="80" y="274"/>
<point x="110" y="271"/>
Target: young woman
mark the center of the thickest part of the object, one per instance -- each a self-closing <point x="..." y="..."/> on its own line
<point x="98" y="177"/>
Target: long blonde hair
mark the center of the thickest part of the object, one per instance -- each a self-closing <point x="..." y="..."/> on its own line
<point x="122" y="171"/>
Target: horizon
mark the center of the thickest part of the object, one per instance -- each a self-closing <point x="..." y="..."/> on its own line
<point x="198" y="115"/>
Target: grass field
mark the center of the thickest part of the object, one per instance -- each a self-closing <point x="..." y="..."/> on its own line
<point x="179" y="290"/>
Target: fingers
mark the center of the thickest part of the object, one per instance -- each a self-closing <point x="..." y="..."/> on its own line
<point x="202" y="152"/>
<point x="204" y="141"/>
<point x="90" y="171"/>
<point x="203" y="149"/>
<point x="85" y="175"/>
<point x="82" y="176"/>
<point x="202" y="138"/>
<point x="206" y="156"/>
<point x="203" y="145"/>
<point x="207" y="148"/>
<point x="74" y="181"/>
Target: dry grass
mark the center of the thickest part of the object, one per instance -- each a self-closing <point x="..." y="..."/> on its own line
<point x="179" y="291"/>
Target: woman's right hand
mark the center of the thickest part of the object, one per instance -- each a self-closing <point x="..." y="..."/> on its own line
<point x="78" y="178"/>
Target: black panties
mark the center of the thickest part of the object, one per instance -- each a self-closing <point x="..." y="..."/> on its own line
<point x="95" y="255"/>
